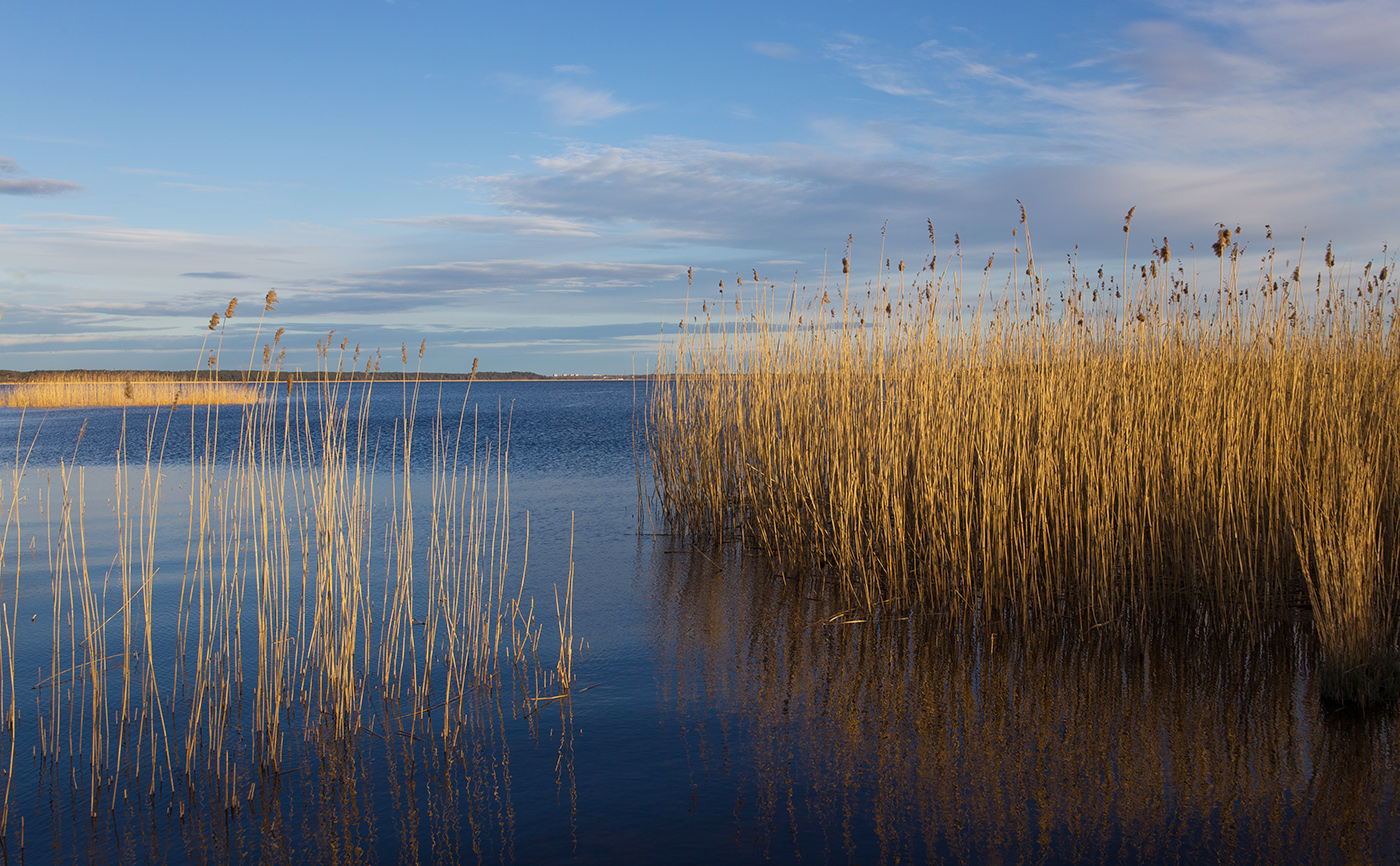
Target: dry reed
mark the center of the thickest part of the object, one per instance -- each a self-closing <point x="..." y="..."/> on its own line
<point x="1100" y="450"/>
<point x="67" y="390"/>
<point x="280" y="537"/>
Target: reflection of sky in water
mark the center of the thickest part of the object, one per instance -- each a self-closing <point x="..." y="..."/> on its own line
<point x="730" y="717"/>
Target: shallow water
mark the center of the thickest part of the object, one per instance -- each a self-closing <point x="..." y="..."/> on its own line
<point x="719" y="713"/>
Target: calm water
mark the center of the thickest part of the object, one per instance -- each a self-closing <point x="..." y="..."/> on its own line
<point x="720" y="714"/>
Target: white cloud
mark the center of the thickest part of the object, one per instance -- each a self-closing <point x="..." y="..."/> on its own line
<point x="578" y="106"/>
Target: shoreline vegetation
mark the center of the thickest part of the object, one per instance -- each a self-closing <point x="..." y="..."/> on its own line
<point x="1176" y="439"/>
<point x="397" y="612"/>
<point x="16" y="377"/>
<point x="59" y="389"/>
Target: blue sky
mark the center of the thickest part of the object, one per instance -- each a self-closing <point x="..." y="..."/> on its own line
<point x="528" y="183"/>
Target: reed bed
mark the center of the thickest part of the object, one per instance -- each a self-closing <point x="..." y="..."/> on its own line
<point x="1171" y="437"/>
<point x="82" y="389"/>
<point x="280" y="544"/>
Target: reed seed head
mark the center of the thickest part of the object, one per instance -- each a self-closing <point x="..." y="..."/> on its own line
<point x="214" y="322"/>
<point x="270" y="301"/>
<point x="232" y="305"/>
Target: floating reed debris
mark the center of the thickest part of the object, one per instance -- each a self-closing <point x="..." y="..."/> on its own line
<point x="1174" y="440"/>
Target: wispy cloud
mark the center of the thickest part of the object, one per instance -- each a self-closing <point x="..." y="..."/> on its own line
<point x="573" y="69"/>
<point x="53" y="216"/>
<point x="573" y="105"/>
<point x="13" y="182"/>
<point x="527" y="226"/>
<point x="776" y="50"/>
<point x="152" y="172"/>
<point x="885" y="75"/>
<point x="198" y="187"/>
<point x="442" y="282"/>
<point x="218" y="275"/>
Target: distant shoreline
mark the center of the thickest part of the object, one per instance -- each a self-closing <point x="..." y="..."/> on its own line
<point x="19" y="377"/>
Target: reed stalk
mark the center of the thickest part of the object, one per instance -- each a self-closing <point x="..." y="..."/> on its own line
<point x="1096" y="451"/>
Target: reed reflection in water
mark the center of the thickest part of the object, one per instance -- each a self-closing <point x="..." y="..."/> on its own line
<point x="853" y="736"/>
<point x="401" y="798"/>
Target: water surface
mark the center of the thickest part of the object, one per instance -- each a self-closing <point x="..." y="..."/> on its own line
<point x="720" y="713"/>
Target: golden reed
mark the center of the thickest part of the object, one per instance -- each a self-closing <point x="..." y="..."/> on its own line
<point x="279" y="560"/>
<point x="1118" y="446"/>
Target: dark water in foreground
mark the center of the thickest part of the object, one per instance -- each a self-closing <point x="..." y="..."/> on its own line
<point x="723" y="715"/>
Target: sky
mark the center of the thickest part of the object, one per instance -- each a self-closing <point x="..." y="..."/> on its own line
<point x="528" y="183"/>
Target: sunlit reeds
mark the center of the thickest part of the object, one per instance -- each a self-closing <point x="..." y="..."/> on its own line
<point x="281" y="532"/>
<point x="64" y="390"/>
<point x="1115" y="446"/>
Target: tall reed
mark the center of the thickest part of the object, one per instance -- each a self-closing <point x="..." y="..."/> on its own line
<point x="1101" y="449"/>
<point x="280" y="542"/>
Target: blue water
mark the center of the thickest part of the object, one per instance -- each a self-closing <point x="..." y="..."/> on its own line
<point x="720" y="713"/>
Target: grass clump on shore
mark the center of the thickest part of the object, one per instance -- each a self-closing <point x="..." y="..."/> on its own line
<point x="1123" y="445"/>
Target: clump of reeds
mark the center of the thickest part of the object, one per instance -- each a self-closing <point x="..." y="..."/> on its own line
<point x="1112" y="446"/>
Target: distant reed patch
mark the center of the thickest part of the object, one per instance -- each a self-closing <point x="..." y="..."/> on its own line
<point x="81" y="389"/>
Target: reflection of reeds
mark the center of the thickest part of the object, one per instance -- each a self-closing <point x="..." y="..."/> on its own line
<point x="972" y="738"/>
<point x="1169" y="442"/>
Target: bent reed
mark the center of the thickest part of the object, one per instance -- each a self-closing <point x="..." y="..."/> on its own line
<point x="1129" y="445"/>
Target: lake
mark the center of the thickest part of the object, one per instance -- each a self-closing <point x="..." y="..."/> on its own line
<point x="718" y="712"/>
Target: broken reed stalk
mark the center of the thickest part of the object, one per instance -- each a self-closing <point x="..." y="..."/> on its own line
<point x="1099" y="451"/>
